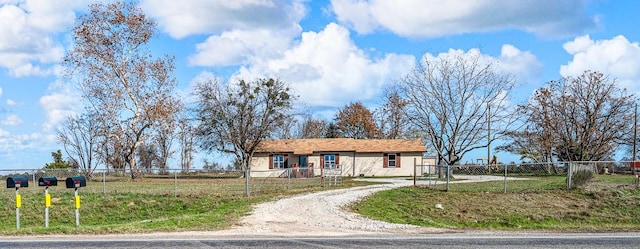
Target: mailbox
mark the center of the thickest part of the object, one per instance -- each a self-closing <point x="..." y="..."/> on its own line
<point x="17" y="182"/>
<point x="76" y="182"/>
<point x="47" y="181"/>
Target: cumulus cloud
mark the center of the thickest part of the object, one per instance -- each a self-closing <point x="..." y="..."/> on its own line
<point x="10" y="142"/>
<point x="525" y="66"/>
<point x="617" y="57"/>
<point x="327" y="69"/>
<point x="434" y="18"/>
<point x="12" y="120"/>
<point x="60" y="103"/>
<point x="181" y="19"/>
<point x="28" y="29"/>
<point x="240" y="47"/>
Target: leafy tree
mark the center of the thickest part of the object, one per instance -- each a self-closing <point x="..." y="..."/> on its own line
<point x="333" y="131"/>
<point x="356" y="121"/>
<point x="122" y="82"/>
<point x="448" y="99"/>
<point x="237" y="117"/>
<point x="583" y="118"/>
<point x="58" y="162"/>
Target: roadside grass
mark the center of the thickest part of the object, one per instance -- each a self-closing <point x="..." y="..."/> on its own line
<point x="607" y="203"/>
<point x="147" y="205"/>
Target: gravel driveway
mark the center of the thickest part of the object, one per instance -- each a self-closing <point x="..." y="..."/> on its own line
<point x="323" y="214"/>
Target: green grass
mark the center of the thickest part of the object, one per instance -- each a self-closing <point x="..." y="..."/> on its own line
<point x="147" y="205"/>
<point x="608" y="203"/>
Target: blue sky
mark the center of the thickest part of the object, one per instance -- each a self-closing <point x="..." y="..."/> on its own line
<point x="331" y="52"/>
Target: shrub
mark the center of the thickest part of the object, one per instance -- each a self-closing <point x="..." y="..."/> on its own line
<point x="580" y="178"/>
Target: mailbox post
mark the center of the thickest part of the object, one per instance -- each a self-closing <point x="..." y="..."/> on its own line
<point x="18" y="182"/>
<point x="46" y="182"/>
<point x="76" y="182"/>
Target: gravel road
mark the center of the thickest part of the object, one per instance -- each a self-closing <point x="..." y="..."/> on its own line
<point x="323" y="214"/>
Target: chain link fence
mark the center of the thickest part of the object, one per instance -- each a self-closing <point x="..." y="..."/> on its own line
<point x="178" y="182"/>
<point x="442" y="176"/>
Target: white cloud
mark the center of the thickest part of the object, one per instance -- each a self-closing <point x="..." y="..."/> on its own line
<point x="11" y="102"/>
<point x="522" y="64"/>
<point x="12" y="120"/>
<point x="59" y="104"/>
<point x="182" y="19"/>
<point x="242" y="47"/>
<point x="433" y="18"/>
<point x="10" y="143"/>
<point x="327" y="69"/>
<point x="28" y="28"/>
<point x="617" y="57"/>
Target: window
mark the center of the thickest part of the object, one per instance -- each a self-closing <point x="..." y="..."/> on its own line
<point x="329" y="161"/>
<point x="278" y="161"/>
<point x="392" y="160"/>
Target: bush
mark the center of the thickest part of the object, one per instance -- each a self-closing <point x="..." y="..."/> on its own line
<point x="580" y="178"/>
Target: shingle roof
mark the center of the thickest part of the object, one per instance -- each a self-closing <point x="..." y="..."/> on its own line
<point x="309" y="146"/>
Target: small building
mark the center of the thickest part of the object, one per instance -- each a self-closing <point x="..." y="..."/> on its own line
<point x="348" y="156"/>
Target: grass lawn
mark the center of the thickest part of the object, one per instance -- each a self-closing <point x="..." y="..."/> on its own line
<point x="607" y="203"/>
<point x="147" y="205"/>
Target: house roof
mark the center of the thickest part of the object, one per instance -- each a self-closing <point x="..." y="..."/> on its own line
<point x="309" y="146"/>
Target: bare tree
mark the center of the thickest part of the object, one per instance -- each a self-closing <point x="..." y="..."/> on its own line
<point x="581" y="118"/>
<point x="448" y="99"/>
<point x="165" y="134"/>
<point x="356" y="121"/>
<point x="80" y="137"/>
<point x="148" y="157"/>
<point x="529" y="143"/>
<point x="186" y="136"/>
<point x="391" y="116"/>
<point x="235" y="118"/>
<point x="313" y="128"/>
<point x="118" y="75"/>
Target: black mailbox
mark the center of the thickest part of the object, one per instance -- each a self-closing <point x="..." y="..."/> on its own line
<point x="76" y="182"/>
<point x="47" y="181"/>
<point x="17" y="182"/>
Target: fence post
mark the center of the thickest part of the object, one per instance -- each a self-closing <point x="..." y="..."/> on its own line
<point x="288" y="178"/>
<point x="448" y="176"/>
<point x="175" y="184"/>
<point x="246" y="182"/>
<point x="505" y="178"/>
<point x="104" y="183"/>
<point x="415" y="164"/>
<point x="35" y="190"/>
<point x="569" y="173"/>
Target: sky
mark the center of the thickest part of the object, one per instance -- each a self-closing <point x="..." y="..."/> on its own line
<point x="332" y="52"/>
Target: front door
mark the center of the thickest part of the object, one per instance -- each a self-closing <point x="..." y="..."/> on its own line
<point x="303" y="161"/>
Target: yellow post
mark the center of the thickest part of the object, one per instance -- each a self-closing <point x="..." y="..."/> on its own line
<point x="77" y="202"/>
<point x="18" y="201"/>
<point x="47" y="200"/>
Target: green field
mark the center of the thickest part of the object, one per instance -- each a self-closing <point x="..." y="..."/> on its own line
<point x="607" y="203"/>
<point x="148" y="205"/>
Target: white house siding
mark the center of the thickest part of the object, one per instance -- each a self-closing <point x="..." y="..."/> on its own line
<point x="371" y="164"/>
<point x="366" y="164"/>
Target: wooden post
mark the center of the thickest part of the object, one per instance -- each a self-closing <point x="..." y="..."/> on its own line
<point x="415" y="164"/>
